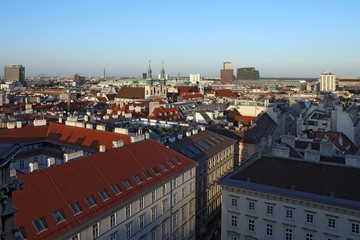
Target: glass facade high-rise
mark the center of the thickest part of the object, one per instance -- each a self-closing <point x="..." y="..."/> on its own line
<point x="248" y="73"/>
<point x="15" y="73"/>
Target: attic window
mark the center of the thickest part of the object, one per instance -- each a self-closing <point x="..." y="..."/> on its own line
<point x="116" y="189"/>
<point x="178" y="161"/>
<point x="127" y="184"/>
<point x="76" y="207"/>
<point x="59" y="215"/>
<point x="137" y="179"/>
<point x="163" y="167"/>
<point x="156" y="170"/>
<point x="40" y="224"/>
<point x="147" y="174"/>
<point x="90" y="201"/>
<point x="104" y="195"/>
<point x="170" y="163"/>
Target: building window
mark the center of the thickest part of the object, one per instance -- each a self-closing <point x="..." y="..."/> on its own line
<point x="234" y="220"/>
<point x="232" y="237"/>
<point x="288" y="233"/>
<point x="269" y="229"/>
<point x="270" y="209"/>
<point x="137" y="179"/>
<point x="309" y="236"/>
<point x="309" y="218"/>
<point x="76" y="237"/>
<point x="164" y="205"/>
<point x="113" y="236"/>
<point x="116" y="189"/>
<point x="147" y="174"/>
<point x="153" y="196"/>
<point x="142" y="221"/>
<point x="183" y="193"/>
<point x="183" y="212"/>
<point x="289" y="213"/>
<point x="191" y="187"/>
<point x="164" y="230"/>
<point x="76" y="208"/>
<point x="191" y="206"/>
<point x="175" y="183"/>
<point x="113" y="220"/>
<point x="251" y="225"/>
<point x="251" y="205"/>
<point x="183" y="231"/>
<point x="104" y="195"/>
<point x="128" y="211"/>
<point x="153" y="235"/>
<point x="153" y="214"/>
<point x="128" y="230"/>
<point x="175" y="198"/>
<point x="163" y="167"/>
<point x="40" y="224"/>
<point x="164" y="189"/>
<point x="141" y="203"/>
<point x="175" y="219"/>
<point x="234" y="201"/>
<point x="331" y="223"/>
<point x="90" y="201"/>
<point x="355" y="228"/>
<point x="127" y="184"/>
<point x="95" y="230"/>
<point x="59" y="215"/>
<point x="156" y="170"/>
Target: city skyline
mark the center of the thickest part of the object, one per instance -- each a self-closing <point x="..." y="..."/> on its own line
<point x="282" y="39"/>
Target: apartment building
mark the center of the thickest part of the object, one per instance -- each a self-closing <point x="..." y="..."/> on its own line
<point x="142" y="190"/>
<point x="284" y="198"/>
<point x="214" y="154"/>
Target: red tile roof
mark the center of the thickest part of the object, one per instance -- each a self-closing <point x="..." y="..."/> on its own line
<point x="62" y="134"/>
<point x="225" y="93"/>
<point x="57" y="188"/>
<point x="187" y="89"/>
<point x="245" y="119"/>
<point x="190" y="96"/>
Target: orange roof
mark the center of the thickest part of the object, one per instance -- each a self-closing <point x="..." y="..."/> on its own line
<point x="225" y="93"/>
<point x="58" y="187"/>
<point x="63" y="134"/>
<point x="246" y="119"/>
<point x="187" y="96"/>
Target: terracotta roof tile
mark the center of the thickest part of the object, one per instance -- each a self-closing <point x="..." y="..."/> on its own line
<point x="56" y="188"/>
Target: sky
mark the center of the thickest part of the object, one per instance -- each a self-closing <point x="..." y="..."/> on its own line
<point x="280" y="38"/>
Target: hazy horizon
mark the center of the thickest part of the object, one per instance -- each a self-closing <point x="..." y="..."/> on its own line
<point x="278" y="38"/>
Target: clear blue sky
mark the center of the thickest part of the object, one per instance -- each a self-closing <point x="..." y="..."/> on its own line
<point x="278" y="37"/>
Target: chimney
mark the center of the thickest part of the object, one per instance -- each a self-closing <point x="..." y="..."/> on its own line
<point x="195" y="131"/>
<point x="352" y="160"/>
<point x="102" y="148"/>
<point x="50" y="162"/>
<point x="188" y="133"/>
<point x="288" y="139"/>
<point x="326" y="149"/>
<point x="12" y="172"/>
<point x="281" y="151"/>
<point x="117" y="144"/>
<point x="33" y="167"/>
<point x="311" y="155"/>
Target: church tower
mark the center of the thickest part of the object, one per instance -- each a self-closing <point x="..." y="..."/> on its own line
<point x="162" y="77"/>
<point x="149" y="74"/>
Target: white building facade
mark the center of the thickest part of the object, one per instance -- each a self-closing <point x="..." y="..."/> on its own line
<point x="327" y="82"/>
<point x="259" y="211"/>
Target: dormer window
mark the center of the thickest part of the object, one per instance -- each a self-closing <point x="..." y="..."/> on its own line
<point x="163" y="167"/>
<point x="104" y="195"/>
<point x="156" y="170"/>
<point x="116" y="189"/>
<point x="90" y="201"/>
<point x="127" y="184"/>
<point x="40" y="224"/>
<point x="59" y="215"/>
<point x="76" y="207"/>
<point x="138" y="179"/>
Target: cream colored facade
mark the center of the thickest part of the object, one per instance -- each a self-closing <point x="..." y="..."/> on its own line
<point x="164" y="212"/>
<point x="248" y="214"/>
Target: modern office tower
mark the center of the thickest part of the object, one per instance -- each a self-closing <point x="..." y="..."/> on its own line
<point x="15" y="73"/>
<point x="227" y="73"/>
<point x="194" y="78"/>
<point x="248" y="73"/>
<point x="327" y="82"/>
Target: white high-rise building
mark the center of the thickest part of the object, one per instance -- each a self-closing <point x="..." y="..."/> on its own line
<point x="195" y="77"/>
<point x="327" y="82"/>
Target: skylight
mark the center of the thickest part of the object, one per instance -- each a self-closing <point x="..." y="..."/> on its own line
<point x="76" y="207"/>
<point x="40" y="224"/>
<point x="137" y="179"/>
<point x="59" y="215"/>
<point x="104" y="195"/>
<point x="116" y="189"/>
<point x="127" y="184"/>
<point x="90" y="201"/>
